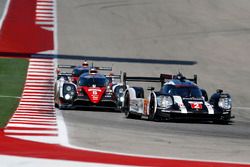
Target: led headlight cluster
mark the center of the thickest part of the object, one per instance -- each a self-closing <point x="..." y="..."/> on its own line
<point x="121" y="90"/>
<point x="164" y="101"/>
<point x="69" y="92"/>
<point x="225" y="103"/>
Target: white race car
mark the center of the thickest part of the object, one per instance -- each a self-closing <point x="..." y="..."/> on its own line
<point x="178" y="98"/>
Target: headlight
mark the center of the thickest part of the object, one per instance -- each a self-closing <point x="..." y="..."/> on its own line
<point x="69" y="91"/>
<point x="225" y="103"/>
<point x="164" y="101"/>
<point x="68" y="88"/>
<point x="122" y="99"/>
<point x="67" y="97"/>
<point x="121" y="90"/>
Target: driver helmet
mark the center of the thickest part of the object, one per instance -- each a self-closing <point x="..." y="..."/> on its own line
<point x="85" y="64"/>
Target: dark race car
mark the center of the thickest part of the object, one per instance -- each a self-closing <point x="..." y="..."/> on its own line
<point x="89" y="89"/>
<point x="178" y="98"/>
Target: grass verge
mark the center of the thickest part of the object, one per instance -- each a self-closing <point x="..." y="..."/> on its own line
<point x="12" y="79"/>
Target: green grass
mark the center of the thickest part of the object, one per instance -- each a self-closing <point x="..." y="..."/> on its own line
<point x="12" y="78"/>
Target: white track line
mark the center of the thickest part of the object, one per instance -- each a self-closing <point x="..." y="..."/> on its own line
<point x="44" y="11"/>
<point x="44" y="3"/>
<point x="40" y="60"/>
<point x="3" y="96"/>
<point x="15" y="125"/>
<point x="44" y="7"/>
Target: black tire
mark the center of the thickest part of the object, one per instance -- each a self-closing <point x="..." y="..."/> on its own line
<point x="153" y="116"/>
<point x="56" y="105"/>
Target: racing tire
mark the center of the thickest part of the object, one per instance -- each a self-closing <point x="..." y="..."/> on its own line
<point x="153" y="116"/>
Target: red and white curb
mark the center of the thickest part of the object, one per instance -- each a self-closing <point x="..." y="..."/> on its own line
<point x="45" y="14"/>
<point x="35" y="117"/>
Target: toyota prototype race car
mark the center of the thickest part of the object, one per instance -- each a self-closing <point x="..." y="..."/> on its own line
<point x="178" y="98"/>
<point x="85" y="87"/>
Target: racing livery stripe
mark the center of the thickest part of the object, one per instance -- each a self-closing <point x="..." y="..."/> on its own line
<point x="179" y="101"/>
<point x="210" y="108"/>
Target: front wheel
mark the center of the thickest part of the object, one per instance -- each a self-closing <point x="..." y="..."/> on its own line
<point x="153" y="116"/>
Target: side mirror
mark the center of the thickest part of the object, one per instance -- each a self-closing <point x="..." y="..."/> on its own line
<point x="151" y="88"/>
<point x="219" y="91"/>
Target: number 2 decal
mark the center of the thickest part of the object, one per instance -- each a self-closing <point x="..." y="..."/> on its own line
<point x="196" y="105"/>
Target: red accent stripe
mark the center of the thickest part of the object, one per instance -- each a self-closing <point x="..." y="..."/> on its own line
<point x="30" y="99"/>
<point x="34" y="94"/>
<point x="30" y="134"/>
<point x="50" y="13"/>
<point x="35" y="118"/>
<point x="34" y="114"/>
<point x="39" y="110"/>
<point x="24" y="128"/>
<point x="43" y="68"/>
<point x="49" y="88"/>
<point x="34" y="123"/>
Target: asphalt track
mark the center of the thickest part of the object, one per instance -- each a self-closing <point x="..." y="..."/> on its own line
<point x="214" y="35"/>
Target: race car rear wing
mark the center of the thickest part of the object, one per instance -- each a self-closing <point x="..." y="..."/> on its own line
<point x="112" y="78"/>
<point x="162" y="79"/>
<point x="139" y="79"/>
<point x="73" y="66"/>
<point x="66" y="66"/>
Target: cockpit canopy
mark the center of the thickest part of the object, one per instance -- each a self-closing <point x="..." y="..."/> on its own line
<point x="78" y="71"/>
<point x="182" y="90"/>
<point x="93" y="80"/>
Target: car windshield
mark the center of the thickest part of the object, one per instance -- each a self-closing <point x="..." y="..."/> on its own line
<point x="183" y="91"/>
<point x="98" y="82"/>
<point x="77" y="72"/>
